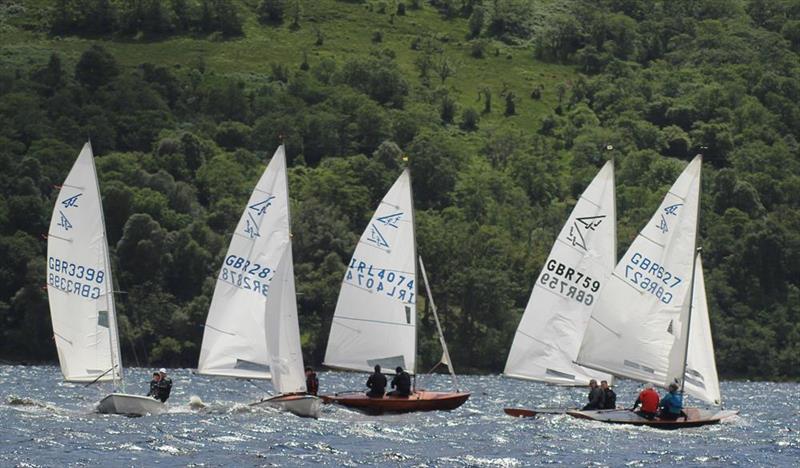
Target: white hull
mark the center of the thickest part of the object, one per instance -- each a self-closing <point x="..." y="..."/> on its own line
<point x="307" y="406"/>
<point x="130" y="405"/>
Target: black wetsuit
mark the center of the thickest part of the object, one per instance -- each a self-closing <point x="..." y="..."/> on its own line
<point x="610" y="400"/>
<point x="377" y="385"/>
<point x="596" y="399"/>
<point x="163" y="389"/>
<point x="402" y="383"/>
<point x="153" y="389"/>
<point x="312" y="384"/>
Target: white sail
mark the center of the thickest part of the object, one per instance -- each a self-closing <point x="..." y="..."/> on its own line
<point x="375" y="319"/>
<point x="568" y="287"/>
<point x="234" y="341"/>
<point x="80" y="287"/>
<point x="701" y="370"/>
<point x="283" y="331"/>
<point x="637" y="328"/>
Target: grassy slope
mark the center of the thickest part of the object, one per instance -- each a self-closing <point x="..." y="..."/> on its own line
<point x="347" y="29"/>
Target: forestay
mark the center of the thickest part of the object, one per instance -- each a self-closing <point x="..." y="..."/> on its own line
<point x="80" y="286"/>
<point x="234" y="340"/>
<point x="636" y="330"/>
<point x="549" y="335"/>
<point x="375" y="318"/>
<point x="701" y="370"/>
<point x="283" y="331"/>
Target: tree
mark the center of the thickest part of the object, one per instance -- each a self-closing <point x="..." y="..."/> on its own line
<point x="271" y="11"/>
<point x="96" y="67"/>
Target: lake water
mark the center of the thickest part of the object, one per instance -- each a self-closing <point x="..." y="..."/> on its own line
<point x="47" y="422"/>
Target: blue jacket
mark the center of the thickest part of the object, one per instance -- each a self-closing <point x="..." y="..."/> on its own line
<point x="672" y="402"/>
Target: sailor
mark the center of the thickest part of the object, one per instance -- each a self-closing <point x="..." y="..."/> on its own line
<point x="312" y="382"/>
<point x="154" y="385"/>
<point x="164" y="386"/>
<point x="596" y="397"/>
<point x="401" y="382"/>
<point x="376" y="383"/>
<point x="648" y="399"/>
<point x="671" y="406"/>
<point x="609" y="397"/>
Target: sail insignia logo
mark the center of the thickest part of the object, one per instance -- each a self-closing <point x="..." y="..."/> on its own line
<point x="375" y="234"/>
<point x="64" y="221"/>
<point x="71" y="202"/>
<point x="671" y="210"/>
<point x="256" y="210"/>
<point x="580" y="226"/>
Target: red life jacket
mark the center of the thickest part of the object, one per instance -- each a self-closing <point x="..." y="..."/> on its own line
<point x="649" y="398"/>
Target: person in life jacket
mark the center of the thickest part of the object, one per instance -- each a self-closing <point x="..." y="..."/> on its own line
<point x="164" y="386"/>
<point x="609" y="397"/>
<point x="596" y="397"/>
<point x="154" y="385"/>
<point x="648" y="399"/>
<point x="401" y="382"/>
<point x="671" y="406"/>
<point x="312" y="382"/>
<point x="376" y="383"/>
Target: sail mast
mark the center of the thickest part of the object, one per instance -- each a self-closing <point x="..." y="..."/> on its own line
<point x="414" y="265"/>
<point x="113" y="331"/>
<point x="446" y="356"/>
<point x="691" y="285"/>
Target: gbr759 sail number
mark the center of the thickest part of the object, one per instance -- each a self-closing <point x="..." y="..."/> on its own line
<point x="568" y="282"/>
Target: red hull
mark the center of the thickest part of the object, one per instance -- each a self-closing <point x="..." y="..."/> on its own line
<point x="418" y="401"/>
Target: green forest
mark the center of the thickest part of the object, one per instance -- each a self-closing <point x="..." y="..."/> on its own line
<point x="505" y="110"/>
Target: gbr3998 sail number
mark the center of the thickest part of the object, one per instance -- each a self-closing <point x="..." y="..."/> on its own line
<point x="568" y="282"/>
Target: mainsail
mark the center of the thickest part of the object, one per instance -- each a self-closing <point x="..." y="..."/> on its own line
<point x="701" y="369"/>
<point x="234" y="342"/>
<point x="80" y="287"/>
<point x="638" y="327"/>
<point x="568" y="287"/>
<point x="283" y="331"/>
<point x="375" y="319"/>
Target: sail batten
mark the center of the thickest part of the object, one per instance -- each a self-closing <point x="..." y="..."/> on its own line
<point x="235" y="331"/>
<point x="637" y="329"/>
<point x="375" y="316"/>
<point x="79" y="279"/>
<point x="581" y="260"/>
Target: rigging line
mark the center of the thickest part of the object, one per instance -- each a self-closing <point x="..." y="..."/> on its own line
<point x="100" y="376"/>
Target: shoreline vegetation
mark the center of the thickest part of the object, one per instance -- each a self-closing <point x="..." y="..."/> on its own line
<point x="504" y="111"/>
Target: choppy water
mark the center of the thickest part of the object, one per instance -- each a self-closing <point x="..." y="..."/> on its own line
<point x="47" y="422"/>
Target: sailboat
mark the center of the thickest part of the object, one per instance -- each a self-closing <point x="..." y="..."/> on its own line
<point x="251" y="331"/>
<point x="375" y="320"/>
<point x="583" y="256"/>
<point x="651" y="322"/>
<point x="81" y="293"/>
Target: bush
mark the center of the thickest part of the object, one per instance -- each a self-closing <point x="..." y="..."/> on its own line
<point x="271" y="11"/>
<point x="469" y="119"/>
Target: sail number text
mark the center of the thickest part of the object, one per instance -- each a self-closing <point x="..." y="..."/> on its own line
<point x="73" y="278"/>
<point x="651" y="277"/>
<point x="244" y="274"/>
<point x="568" y="282"/>
<point x="378" y="280"/>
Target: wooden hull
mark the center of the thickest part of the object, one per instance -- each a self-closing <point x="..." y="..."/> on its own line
<point x="130" y="405"/>
<point x="418" y="401"/>
<point x="696" y="418"/>
<point x="307" y="406"/>
<point x="532" y="413"/>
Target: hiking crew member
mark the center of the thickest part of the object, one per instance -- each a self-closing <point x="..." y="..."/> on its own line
<point x="402" y="383"/>
<point x="609" y="397"/>
<point x="154" y="385"/>
<point x="648" y="399"/>
<point x="376" y="383"/>
<point x="312" y="382"/>
<point x="596" y="397"/>
<point x="164" y="386"/>
<point x="672" y="404"/>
